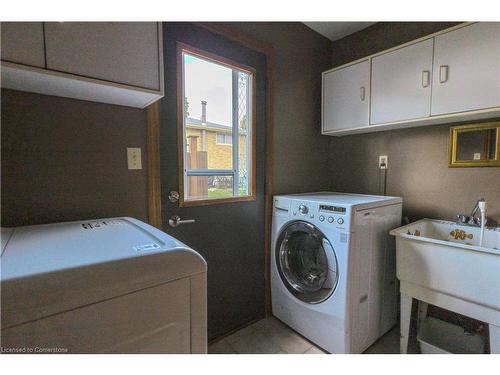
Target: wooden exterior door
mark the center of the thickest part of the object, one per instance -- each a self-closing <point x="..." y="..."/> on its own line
<point x="229" y="234"/>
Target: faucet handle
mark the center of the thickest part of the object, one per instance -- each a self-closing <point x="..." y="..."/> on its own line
<point x="473" y="221"/>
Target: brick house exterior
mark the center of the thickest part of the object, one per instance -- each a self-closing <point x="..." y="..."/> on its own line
<point x="219" y="154"/>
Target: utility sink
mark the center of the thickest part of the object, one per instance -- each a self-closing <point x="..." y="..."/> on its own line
<point x="439" y="231"/>
<point x="441" y="262"/>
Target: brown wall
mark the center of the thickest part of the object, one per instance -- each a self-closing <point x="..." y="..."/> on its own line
<point x="65" y="159"/>
<point x="418" y="158"/>
<point x="300" y="56"/>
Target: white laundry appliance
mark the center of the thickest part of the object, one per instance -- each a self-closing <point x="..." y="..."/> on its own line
<point x="104" y="286"/>
<point x="333" y="272"/>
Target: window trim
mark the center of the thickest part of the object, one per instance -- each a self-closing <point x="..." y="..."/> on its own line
<point x="224" y="135"/>
<point x="251" y="160"/>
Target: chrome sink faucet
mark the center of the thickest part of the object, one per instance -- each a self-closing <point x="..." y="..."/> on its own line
<point x="472" y="219"/>
<point x="475" y="221"/>
<point x="480" y="206"/>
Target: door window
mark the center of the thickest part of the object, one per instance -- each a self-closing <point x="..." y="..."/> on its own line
<point x="216" y="96"/>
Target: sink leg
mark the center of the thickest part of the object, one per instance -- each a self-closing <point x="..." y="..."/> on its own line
<point x="406" y="302"/>
<point x="422" y="312"/>
<point x="494" y="339"/>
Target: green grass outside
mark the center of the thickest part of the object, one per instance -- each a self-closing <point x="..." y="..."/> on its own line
<point x="216" y="193"/>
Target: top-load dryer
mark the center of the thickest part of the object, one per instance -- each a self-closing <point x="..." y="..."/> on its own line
<point x="333" y="274"/>
<point x="113" y="285"/>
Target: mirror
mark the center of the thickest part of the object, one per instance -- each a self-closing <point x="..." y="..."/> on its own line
<point x="475" y="145"/>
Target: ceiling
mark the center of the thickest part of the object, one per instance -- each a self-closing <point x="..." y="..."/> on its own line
<point x="337" y="30"/>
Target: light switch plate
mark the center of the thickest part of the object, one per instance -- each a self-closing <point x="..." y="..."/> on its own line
<point x="134" y="158"/>
<point x="383" y="161"/>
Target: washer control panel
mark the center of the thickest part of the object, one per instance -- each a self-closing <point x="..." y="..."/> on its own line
<point x="332" y="209"/>
<point x="336" y="216"/>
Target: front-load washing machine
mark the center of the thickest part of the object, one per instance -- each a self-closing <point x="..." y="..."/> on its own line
<point x="333" y="274"/>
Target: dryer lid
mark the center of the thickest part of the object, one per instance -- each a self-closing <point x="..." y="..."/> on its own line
<point x="47" y="269"/>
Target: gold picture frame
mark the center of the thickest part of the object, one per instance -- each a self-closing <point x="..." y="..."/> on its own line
<point x="455" y="131"/>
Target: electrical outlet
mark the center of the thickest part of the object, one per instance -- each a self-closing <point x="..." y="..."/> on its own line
<point x="134" y="158"/>
<point x="383" y="162"/>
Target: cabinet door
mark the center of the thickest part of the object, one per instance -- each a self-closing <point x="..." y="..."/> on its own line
<point x="22" y="43"/>
<point x="346" y="95"/>
<point x="121" y="52"/>
<point x="401" y="83"/>
<point x="467" y="69"/>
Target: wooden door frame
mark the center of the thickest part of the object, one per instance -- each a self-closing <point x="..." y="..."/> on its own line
<point x="153" y="146"/>
<point x="153" y="161"/>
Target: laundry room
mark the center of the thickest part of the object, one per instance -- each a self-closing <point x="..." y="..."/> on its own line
<point x="186" y="183"/>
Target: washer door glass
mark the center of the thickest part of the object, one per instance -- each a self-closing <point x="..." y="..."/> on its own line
<point x="306" y="262"/>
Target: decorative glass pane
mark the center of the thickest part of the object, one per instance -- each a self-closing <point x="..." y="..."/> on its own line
<point x="244" y="130"/>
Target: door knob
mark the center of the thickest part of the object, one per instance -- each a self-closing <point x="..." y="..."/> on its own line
<point x="175" y="221"/>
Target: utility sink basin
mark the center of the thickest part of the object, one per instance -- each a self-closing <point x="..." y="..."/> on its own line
<point x="446" y="257"/>
<point x="464" y="236"/>
<point x="442" y="232"/>
<point x="441" y="263"/>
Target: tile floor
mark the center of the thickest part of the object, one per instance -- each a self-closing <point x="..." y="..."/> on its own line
<point x="270" y="336"/>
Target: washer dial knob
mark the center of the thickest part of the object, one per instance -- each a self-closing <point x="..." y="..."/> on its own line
<point x="330" y="219"/>
<point x="340" y="220"/>
<point x="303" y="209"/>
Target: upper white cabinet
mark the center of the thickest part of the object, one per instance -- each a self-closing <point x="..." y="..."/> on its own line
<point x="22" y="43"/>
<point x="122" y="52"/>
<point x="467" y="69"/>
<point x="449" y="76"/>
<point x="346" y="94"/>
<point x="401" y="83"/>
<point x="109" y="62"/>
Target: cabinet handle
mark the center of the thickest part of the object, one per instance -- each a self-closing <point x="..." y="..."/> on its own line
<point x="362" y="93"/>
<point x="426" y="78"/>
<point x="443" y="73"/>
